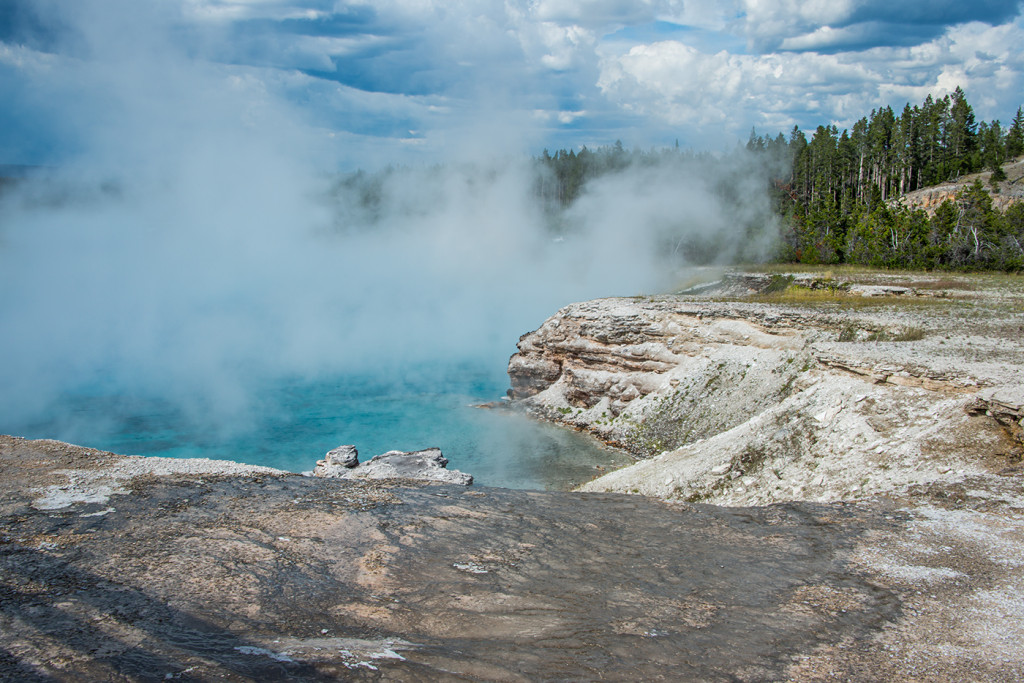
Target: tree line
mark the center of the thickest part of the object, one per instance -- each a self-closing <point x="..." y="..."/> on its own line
<point x="835" y="193"/>
<point x="837" y="200"/>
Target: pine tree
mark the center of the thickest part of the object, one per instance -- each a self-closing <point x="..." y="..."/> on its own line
<point x="1015" y="136"/>
<point x="962" y="135"/>
<point x="932" y="118"/>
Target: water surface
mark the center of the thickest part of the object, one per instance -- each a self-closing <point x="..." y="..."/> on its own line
<point x="290" y="423"/>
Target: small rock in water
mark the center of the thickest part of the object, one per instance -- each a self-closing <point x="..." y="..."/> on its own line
<point x="427" y="465"/>
<point x="337" y="461"/>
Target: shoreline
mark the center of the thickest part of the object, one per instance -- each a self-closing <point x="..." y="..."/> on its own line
<point x="826" y="389"/>
<point x="132" y="567"/>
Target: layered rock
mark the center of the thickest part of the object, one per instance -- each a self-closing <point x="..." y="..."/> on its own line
<point x="427" y="465"/>
<point x="746" y="402"/>
<point x="1009" y="192"/>
<point x="337" y="462"/>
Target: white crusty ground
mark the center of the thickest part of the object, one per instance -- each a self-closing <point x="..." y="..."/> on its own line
<point x="98" y="485"/>
<point x="861" y="418"/>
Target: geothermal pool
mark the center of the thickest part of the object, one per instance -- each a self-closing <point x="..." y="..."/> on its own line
<point x="291" y="423"/>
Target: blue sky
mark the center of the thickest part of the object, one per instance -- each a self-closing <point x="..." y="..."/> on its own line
<point x="364" y="83"/>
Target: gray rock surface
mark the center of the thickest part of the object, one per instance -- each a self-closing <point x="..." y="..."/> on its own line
<point x="337" y="461"/>
<point x="191" y="574"/>
<point x="427" y="465"/>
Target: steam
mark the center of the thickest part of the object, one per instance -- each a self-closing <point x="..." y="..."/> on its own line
<point x="198" y="243"/>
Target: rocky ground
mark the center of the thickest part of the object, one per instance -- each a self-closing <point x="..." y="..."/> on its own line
<point x="865" y="388"/>
<point x="762" y="389"/>
<point x="253" y="576"/>
<point x="859" y="436"/>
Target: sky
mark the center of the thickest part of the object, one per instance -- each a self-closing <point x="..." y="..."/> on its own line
<point x="401" y="81"/>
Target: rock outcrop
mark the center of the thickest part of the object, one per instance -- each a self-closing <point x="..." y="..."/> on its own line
<point x="245" y="574"/>
<point x="847" y="392"/>
<point x="337" y="461"/>
<point x="1009" y="192"/>
<point x="428" y="465"/>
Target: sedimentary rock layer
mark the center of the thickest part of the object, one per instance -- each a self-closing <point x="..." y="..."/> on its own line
<point x="872" y="389"/>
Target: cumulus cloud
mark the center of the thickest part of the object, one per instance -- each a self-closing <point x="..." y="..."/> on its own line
<point x="698" y="91"/>
<point x="794" y="25"/>
<point x="725" y="92"/>
<point x="645" y="72"/>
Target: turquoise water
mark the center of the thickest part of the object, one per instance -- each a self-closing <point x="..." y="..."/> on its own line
<point x="291" y="423"/>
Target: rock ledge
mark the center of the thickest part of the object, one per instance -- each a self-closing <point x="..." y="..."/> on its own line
<point x="428" y="465"/>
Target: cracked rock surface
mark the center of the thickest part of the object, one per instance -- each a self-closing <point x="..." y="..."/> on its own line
<point x="254" y="576"/>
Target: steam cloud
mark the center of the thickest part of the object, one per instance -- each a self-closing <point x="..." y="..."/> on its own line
<point x="196" y="243"/>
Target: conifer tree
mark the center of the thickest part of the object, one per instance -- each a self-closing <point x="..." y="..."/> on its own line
<point x="1015" y="136"/>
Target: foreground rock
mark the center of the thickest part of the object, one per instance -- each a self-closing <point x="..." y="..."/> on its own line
<point x="194" y="575"/>
<point x="428" y="466"/>
<point x="838" y="391"/>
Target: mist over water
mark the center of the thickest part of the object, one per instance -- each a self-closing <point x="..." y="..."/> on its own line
<point x="191" y="249"/>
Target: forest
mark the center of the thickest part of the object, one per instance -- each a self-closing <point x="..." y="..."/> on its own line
<point x="836" y="194"/>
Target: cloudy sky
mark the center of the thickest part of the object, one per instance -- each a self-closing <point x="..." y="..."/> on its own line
<point x="400" y="80"/>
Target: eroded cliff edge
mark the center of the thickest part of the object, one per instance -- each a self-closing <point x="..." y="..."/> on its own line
<point x="768" y="388"/>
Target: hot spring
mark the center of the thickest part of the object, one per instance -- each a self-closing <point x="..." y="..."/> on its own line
<point x="295" y="421"/>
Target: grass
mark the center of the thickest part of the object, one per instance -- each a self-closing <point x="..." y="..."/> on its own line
<point x="852" y="333"/>
<point x="703" y="276"/>
<point x="832" y="280"/>
<point x="849" y="333"/>
<point x="904" y="335"/>
<point x="826" y="271"/>
<point x="798" y="295"/>
<point x="919" y="279"/>
<point x="778" y="283"/>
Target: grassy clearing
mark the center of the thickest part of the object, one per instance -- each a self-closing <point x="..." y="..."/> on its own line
<point x="797" y="295"/>
<point x="918" y="279"/>
<point x="996" y="293"/>
<point x="826" y="272"/>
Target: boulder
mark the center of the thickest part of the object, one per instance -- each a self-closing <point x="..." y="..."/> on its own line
<point x="427" y="465"/>
<point x="336" y="461"/>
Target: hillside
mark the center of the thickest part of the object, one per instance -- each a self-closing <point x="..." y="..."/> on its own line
<point x="1005" y="194"/>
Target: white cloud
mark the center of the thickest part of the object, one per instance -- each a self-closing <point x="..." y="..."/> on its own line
<point x="433" y="66"/>
<point x="826" y="37"/>
<point x="724" y="93"/>
<point x="832" y="24"/>
<point x="720" y="92"/>
<point x="596" y="11"/>
<point x="234" y="10"/>
<point x="25" y="59"/>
